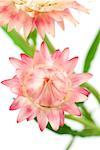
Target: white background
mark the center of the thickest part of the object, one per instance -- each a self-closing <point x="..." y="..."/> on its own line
<point x="26" y="135"/>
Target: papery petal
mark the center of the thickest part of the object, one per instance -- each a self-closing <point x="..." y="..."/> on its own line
<point x="24" y="113"/>
<point x="78" y="79"/>
<point x="55" y="16"/>
<point x="65" y="54"/>
<point x="26" y="59"/>
<point x="28" y="16"/>
<point x="51" y="27"/>
<point x="40" y="26"/>
<point x="14" y="84"/>
<point x="45" y="52"/>
<point x="54" y="119"/>
<point x="56" y="55"/>
<point x="31" y="117"/>
<point x="42" y="120"/>
<point x="70" y="65"/>
<point x="17" y="103"/>
<point x="27" y="26"/>
<point x="80" y="7"/>
<point x="61" y="118"/>
<point x="11" y="82"/>
<point x="72" y="109"/>
<point x="67" y="14"/>
<point x="84" y="91"/>
<point x="61" y="24"/>
<point x="16" y="62"/>
<point x="79" y="95"/>
<point x="38" y="59"/>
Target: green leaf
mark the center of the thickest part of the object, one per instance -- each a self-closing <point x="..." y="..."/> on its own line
<point x="63" y="130"/>
<point x="84" y="133"/>
<point x="91" y="53"/>
<point x="33" y="37"/>
<point x="49" y="44"/>
<point x="19" y="41"/>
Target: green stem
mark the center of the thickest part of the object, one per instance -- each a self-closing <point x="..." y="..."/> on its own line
<point x="86" y="113"/>
<point x="70" y="144"/>
<point x="49" y="44"/>
<point x="92" y="90"/>
<point x="81" y="120"/>
<point x="89" y="132"/>
<point x="97" y="96"/>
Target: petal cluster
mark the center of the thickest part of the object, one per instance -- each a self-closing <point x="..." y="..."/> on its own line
<point x="46" y="87"/>
<point x="40" y="14"/>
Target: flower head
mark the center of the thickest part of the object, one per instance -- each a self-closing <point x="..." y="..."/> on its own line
<point x="40" y="14"/>
<point x="46" y="87"/>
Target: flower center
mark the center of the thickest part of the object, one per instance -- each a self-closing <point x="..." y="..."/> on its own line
<point x="47" y="88"/>
<point x="42" y="5"/>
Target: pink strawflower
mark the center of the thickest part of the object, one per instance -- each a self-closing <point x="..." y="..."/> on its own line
<point x="40" y="14"/>
<point x="46" y="86"/>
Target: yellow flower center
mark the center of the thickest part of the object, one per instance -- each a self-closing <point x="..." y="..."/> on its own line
<point x="42" y="5"/>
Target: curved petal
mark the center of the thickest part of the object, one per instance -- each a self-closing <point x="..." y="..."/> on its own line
<point x="42" y="120"/>
<point x="14" y="84"/>
<point x="54" y="119"/>
<point x="80" y="7"/>
<point x="70" y="65"/>
<point x="16" y="62"/>
<point x="11" y="82"/>
<point x="56" y="55"/>
<point x="24" y="113"/>
<point x="45" y="52"/>
<point x="61" y="24"/>
<point x="80" y="78"/>
<point x="17" y="103"/>
<point x="79" y="95"/>
<point x="72" y="109"/>
<point x="26" y="59"/>
<point x="61" y="117"/>
<point x="65" y="54"/>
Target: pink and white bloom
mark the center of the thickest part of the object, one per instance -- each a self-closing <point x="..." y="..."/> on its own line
<point x="46" y="87"/>
<point x="40" y="14"/>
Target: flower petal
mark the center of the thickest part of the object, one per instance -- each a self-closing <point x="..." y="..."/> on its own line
<point x="78" y="6"/>
<point x="24" y="113"/>
<point x="72" y="109"/>
<point x="65" y="54"/>
<point x="45" y="52"/>
<point x="79" y="95"/>
<point x="16" y="62"/>
<point x="26" y="59"/>
<point x="61" y="117"/>
<point x="80" y="78"/>
<point x="11" y="82"/>
<point x="14" y="85"/>
<point x="70" y="65"/>
<point x="42" y="120"/>
<point x="17" y="103"/>
<point x="54" y="119"/>
<point x="56" y="55"/>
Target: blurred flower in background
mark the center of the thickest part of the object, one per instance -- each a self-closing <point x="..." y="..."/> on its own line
<point x="40" y="14"/>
